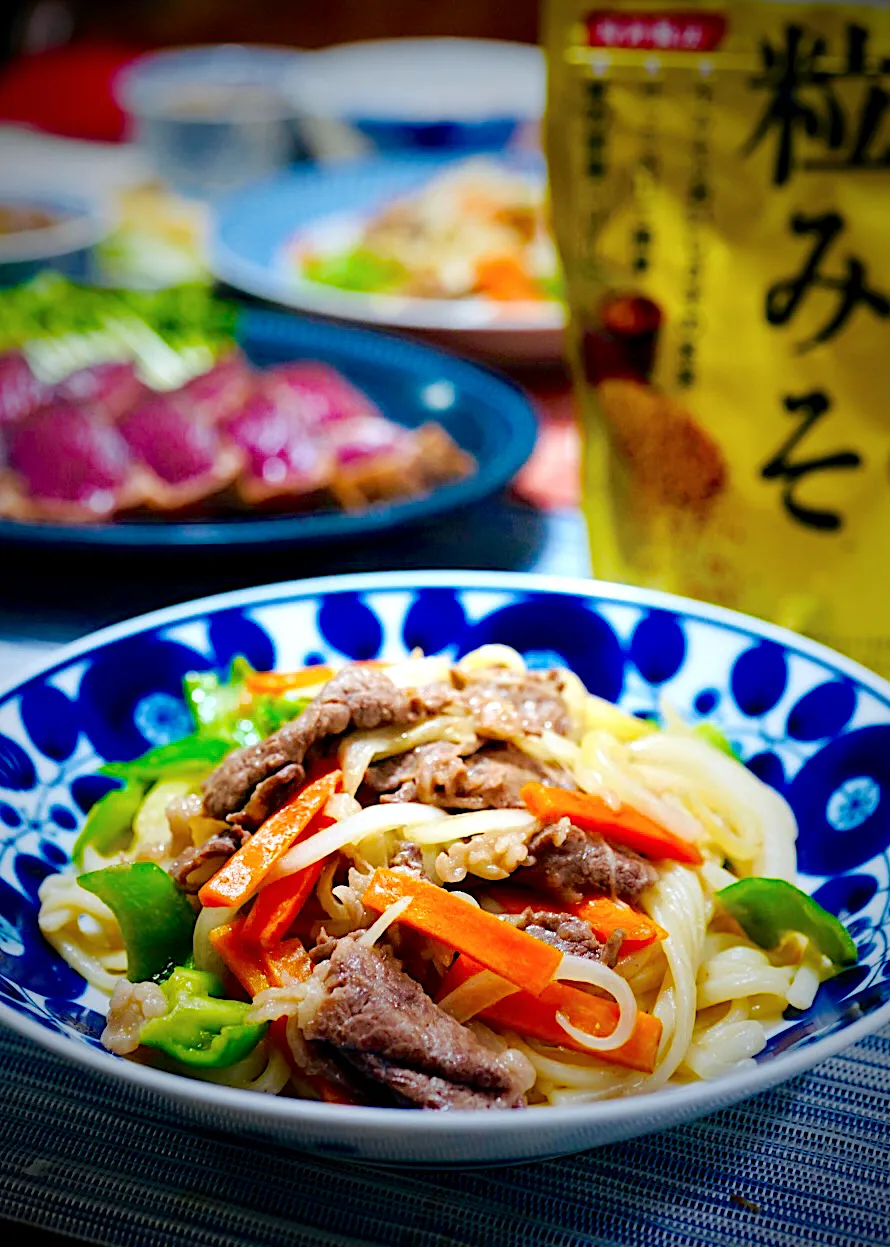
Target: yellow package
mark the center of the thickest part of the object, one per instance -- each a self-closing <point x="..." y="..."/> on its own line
<point x="720" y="181"/>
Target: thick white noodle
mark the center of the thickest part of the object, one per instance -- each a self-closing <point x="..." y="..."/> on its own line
<point x="677" y="903"/>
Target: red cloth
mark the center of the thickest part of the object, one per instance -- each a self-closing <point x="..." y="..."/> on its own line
<point x="67" y="90"/>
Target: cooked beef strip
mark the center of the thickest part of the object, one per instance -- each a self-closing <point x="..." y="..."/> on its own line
<point x="569" y="934"/>
<point x="504" y="703"/>
<point x="409" y="859"/>
<point x="437" y="774"/>
<point x="568" y="863"/>
<point x="252" y="783"/>
<point x="219" y="847"/>
<point x="382" y="1023"/>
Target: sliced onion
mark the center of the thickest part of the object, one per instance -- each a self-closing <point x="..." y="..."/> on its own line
<point x="576" y="969"/>
<point x="355" y="758"/>
<point x="477" y="823"/>
<point x="352" y="830"/>
<point x="391" y="914"/>
<point x="476" y="995"/>
<point x="341" y="806"/>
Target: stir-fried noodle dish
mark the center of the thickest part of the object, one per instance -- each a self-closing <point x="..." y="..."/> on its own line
<point x="438" y="885"/>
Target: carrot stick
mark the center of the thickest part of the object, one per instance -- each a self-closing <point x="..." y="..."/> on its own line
<point x="507" y="951"/>
<point x="278" y="682"/>
<point x="503" y="278"/>
<point x="278" y="904"/>
<point x="535" y="1017"/>
<point x="237" y="880"/>
<point x="240" y="959"/>
<point x="624" y="826"/>
<point x="287" y="960"/>
<point x="604" y="914"/>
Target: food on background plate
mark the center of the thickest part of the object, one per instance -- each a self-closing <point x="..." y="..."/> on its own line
<point x="476" y="230"/>
<point x="438" y="885"/>
<point x="717" y="193"/>
<point x="20" y="218"/>
<point x="209" y="436"/>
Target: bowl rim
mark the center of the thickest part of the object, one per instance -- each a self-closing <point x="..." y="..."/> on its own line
<point x="342" y="57"/>
<point x="139" y="87"/>
<point x="658" y="1109"/>
<point x="86" y="223"/>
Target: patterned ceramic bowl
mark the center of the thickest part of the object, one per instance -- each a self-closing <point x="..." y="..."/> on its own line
<point x="812" y="724"/>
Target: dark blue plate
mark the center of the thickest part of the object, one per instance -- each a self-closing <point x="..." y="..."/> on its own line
<point x="485" y="413"/>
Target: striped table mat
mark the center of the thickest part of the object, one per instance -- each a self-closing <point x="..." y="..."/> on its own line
<point x="804" y="1165"/>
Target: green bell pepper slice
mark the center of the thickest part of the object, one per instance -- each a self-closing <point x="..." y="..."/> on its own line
<point x="201" y="1028"/>
<point x="767" y="909"/>
<point x="109" y="821"/>
<point x="193" y="755"/>
<point x="155" y="918"/>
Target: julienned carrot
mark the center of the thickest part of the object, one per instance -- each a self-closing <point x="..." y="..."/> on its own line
<point x="278" y="682"/>
<point x="285" y="961"/>
<point x="239" y="957"/>
<point x="535" y="1018"/>
<point x="502" y="277"/>
<point x="278" y="904"/>
<point x="257" y="969"/>
<point x="624" y="826"/>
<point x="236" y="881"/>
<point x="507" y="951"/>
<point x="604" y="914"/>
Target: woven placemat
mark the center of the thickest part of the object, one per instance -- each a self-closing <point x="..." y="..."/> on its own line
<point x="804" y="1165"/>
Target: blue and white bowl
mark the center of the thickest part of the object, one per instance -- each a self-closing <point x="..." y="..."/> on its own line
<point x="458" y="95"/>
<point x="814" y="725"/>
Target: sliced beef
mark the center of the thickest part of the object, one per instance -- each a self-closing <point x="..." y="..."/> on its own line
<point x="217" y="848"/>
<point x="438" y="774"/>
<point x="569" y="934"/>
<point x="408" y="859"/>
<point x="251" y="783"/>
<point x="381" y="1023"/>
<point x="505" y="703"/>
<point x="569" y="863"/>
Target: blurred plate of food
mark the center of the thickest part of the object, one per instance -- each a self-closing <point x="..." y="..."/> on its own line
<point x="468" y="94"/>
<point x="38" y="227"/>
<point x="161" y="419"/>
<point x="458" y="248"/>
